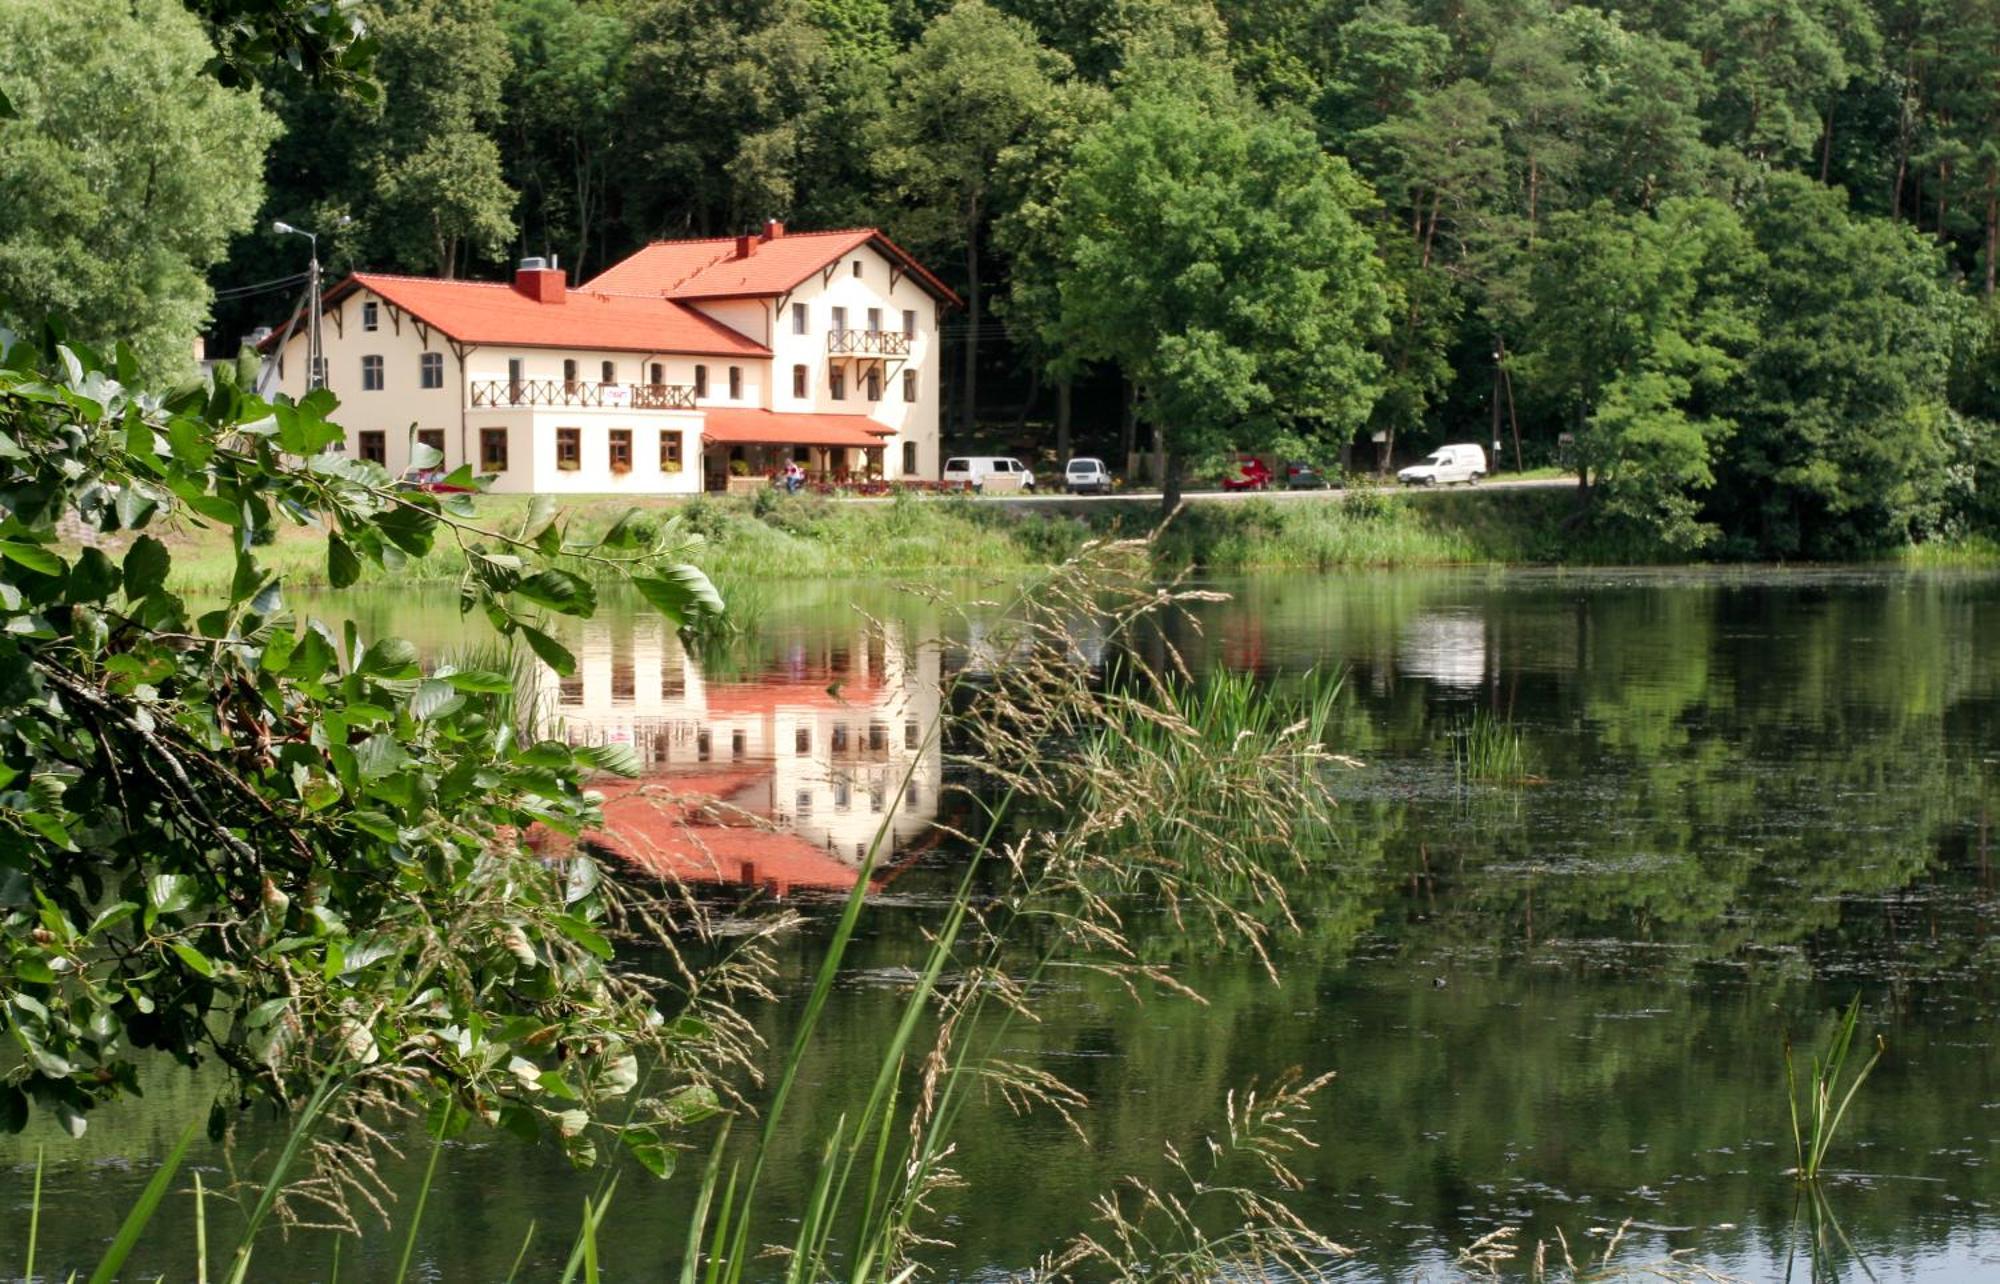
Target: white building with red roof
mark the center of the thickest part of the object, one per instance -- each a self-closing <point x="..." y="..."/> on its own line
<point x="686" y="364"/>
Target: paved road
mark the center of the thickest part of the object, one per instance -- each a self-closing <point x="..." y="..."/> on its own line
<point x="1278" y="496"/>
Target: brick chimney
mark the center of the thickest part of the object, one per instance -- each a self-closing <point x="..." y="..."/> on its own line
<point x="540" y="282"/>
<point x="745" y="245"/>
<point x="773" y="229"/>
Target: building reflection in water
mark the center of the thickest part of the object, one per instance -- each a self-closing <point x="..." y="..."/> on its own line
<point x="1447" y="647"/>
<point x="779" y="779"/>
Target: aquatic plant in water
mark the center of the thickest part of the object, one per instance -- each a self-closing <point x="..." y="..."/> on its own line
<point x="1488" y="750"/>
<point x="1814" y="1134"/>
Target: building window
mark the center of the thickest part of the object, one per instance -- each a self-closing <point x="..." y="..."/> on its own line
<point x="912" y="736"/>
<point x="493" y="450"/>
<point x="798" y="318"/>
<point x="909" y="459"/>
<point x="569" y="374"/>
<point x="799" y="378"/>
<point x="430" y="370"/>
<point x="434" y="438"/>
<point x="802" y="740"/>
<point x="836" y="386"/>
<point x="909" y="385"/>
<point x="515" y="374"/>
<point x="839" y="319"/>
<point x="701" y="381"/>
<point x="909" y="323"/>
<point x="371" y="374"/>
<point x="621" y="450"/>
<point x="659" y="374"/>
<point x="374" y="447"/>
<point x="569" y="449"/>
<point x="736" y="383"/>
<point x="874" y="320"/>
<point x="371" y="316"/>
<point x="609" y="371"/>
<point x="704" y="746"/>
<point x="318" y="378"/>
<point x="857" y="269"/>
<point x="670" y="451"/>
<point x="874" y="385"/>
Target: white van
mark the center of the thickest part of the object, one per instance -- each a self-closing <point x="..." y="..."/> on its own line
<point x="977" y="471"/>
<point x="1445" y="465"/>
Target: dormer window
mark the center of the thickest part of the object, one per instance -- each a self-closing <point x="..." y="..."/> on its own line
<point x="371" y="315"/>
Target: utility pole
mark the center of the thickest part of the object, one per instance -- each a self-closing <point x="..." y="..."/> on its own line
<point x="315" y="353"/>
<point x="1495" y="465"/>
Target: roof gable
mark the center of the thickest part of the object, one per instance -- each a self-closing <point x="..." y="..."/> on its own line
<point x="714" y="269"/>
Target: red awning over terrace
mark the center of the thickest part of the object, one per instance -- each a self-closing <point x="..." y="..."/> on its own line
<point x="749" y="427"/>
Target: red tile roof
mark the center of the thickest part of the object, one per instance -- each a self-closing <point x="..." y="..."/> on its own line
<point x="752" y="427"/>
<point x="711" y="269"/>
<point x="492" y="313"/>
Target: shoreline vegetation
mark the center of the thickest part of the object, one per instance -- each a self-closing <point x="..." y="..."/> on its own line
<point x="805" y="537"/>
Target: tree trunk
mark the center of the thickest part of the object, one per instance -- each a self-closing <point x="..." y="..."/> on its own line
<point x="1826" y="145"/>
<point x="971" y="392"/>
<point x="1128" y="434"/>
<point x="1062" y="419"/>
<point x="1028" y="403"/>
<point x="1992" y="223"/>
<point x="1170" y="483"/>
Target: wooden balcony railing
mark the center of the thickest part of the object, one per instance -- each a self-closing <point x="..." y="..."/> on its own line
<point x="560" y="392"/>
<point x="868" y="343"/>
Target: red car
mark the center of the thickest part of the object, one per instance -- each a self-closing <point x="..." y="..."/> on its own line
<point x="1252" y="474"/>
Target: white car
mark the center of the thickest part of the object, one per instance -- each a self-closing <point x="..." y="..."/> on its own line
<point x="1087" y="475"/>
<point x="1445" y="465"/>
<point x="1005" y="473"/>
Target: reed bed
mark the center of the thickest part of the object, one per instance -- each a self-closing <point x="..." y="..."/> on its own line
<point x="1488" y="750"/>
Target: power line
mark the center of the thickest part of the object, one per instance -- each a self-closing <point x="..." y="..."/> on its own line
<point x="260" y="287"/>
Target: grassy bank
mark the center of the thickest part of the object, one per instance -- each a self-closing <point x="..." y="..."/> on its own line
<point x="779" y="537"/>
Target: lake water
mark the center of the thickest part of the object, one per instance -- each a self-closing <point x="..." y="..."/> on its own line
<point x="1551" y="1005"/>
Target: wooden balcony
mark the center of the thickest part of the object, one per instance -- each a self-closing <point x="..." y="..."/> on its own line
<point x="867" y="343"/>
<point x="560" y="392"/>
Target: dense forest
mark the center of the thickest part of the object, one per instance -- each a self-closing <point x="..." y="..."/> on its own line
<point x="1737" y="258"/>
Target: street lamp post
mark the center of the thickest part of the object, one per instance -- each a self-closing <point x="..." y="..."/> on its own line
<point x="1496" y="406"/>
<point x="315" y="354"/>
<point x="315" y="362"/>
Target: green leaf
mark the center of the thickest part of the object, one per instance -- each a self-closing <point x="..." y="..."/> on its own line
<point x="424" y="456"/>
<point x="551" y="652"/>
<point x="379" y="756"/>
<point x="92" y="577"/>
<point x="409" y="528"/>
<point x="146" y="565"/>
<point x="559" y="591"/>
<point x="434" y="698"/>
<point x="170" y="893"/>
<point x="193" y="957"/>
<point x="480" y="681"/>
<point x="32" y="556"/>
<point x="342" y="566"/>
<point x="389" y="658"/>
<point x="683" y="594"/>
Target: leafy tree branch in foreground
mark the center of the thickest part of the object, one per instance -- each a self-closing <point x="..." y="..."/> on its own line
<point x="230" y="833"/>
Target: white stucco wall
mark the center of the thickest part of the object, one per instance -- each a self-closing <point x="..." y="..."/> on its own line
<point x="915" y="421"/>
<point x="402" y="404"/>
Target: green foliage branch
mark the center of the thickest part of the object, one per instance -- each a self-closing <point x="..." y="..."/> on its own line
<point x="229" y="833"/>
